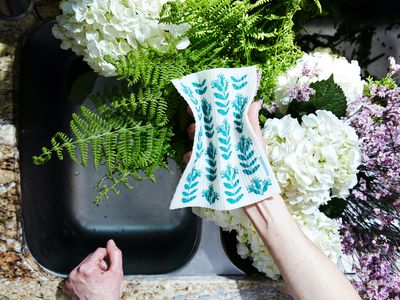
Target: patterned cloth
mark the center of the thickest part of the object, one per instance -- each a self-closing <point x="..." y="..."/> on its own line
<point x="228" y="168"/>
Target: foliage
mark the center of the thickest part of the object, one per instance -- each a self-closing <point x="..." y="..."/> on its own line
<point x="136" y="128"/>
<point x="328" y="96"/>
<point x="131" y="131"/>
<point x="226" y="33"/>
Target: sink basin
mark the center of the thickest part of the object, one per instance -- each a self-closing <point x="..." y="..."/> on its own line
<point x="61" y="224"/>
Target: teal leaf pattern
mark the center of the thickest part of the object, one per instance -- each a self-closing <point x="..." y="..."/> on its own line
<point x="225" y="139"/>
<point x="238" y="109"/>
<point x="200" y="88"/>
<point x="211" y="195"/>
<point x="199" y="145"/>
<point x="246" y="156"/>
<point x="189" y="193"/>
<point x="258" y="186"/>
<point x="239" y="83"/>
<point x="211" y="160"/>
<point x="188" y="91"/>
<point x="207" y="117"/>
<point x="227" y="166"/>
<point x="231" y="183"/>
<point x="221" y="94"/>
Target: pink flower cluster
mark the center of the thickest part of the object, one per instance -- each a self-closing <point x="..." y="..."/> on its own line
<point x="377" y="279"/>
<point x="377" y="123"/>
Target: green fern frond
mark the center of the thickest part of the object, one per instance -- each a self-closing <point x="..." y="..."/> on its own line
<point x="126" y="146"/>
<point x="137" y="127"/>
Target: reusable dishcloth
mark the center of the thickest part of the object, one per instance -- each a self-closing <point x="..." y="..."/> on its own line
<point x="228" y="168"/>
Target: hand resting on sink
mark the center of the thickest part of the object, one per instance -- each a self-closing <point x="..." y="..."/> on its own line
<point x="94" y="279"/>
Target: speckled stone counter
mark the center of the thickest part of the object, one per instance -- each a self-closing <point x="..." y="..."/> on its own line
<point x="20" y="276"/>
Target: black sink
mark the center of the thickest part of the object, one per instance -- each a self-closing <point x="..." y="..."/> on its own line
<point x="61" y="223"/>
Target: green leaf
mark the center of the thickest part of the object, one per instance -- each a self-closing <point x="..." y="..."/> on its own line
<point x="328" y="96"/>
<point x="82" y="87"/>
<point x="334" y="208"/>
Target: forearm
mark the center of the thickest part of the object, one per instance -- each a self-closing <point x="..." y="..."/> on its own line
<point x="307" y="271"/>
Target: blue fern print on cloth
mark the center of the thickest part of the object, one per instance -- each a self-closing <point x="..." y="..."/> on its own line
<point x="200" y="88"/>
<point x="239" y="83"/>
<point x="225" y="139"/>
<point x="208" y="119"/>
<point x="228" y="168"/>
<point x="199" y="145"/>
<point x="188" y="91"/>
<point x="246" y="156"/>
<point x="222" y="94"/>
<point x="210" y="195"/>
<point x="189" y="193"/>
<point x="238" y="109"/>
<point x="231" y="184"/>
<point x="258" y="186"/>
<point x="211" y="160"/>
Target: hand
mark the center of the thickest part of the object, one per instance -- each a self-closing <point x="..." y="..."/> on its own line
<point x="93" y="279"/>
<point x="252" y="113"/>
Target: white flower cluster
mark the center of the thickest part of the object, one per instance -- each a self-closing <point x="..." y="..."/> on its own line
<point x="96" y="28"/>
<point x="324" y="232"/>
<point x="312" y="161"/>
<point x="316" y="66"/>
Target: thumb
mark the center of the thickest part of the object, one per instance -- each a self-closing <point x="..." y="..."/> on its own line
<point x="252" y="113"/>
<point x="115" y="255"/>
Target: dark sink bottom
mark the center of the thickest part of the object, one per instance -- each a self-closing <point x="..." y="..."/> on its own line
<point x="61" y="224"/>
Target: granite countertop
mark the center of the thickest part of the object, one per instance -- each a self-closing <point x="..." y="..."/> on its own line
<point x="20" y="276"/>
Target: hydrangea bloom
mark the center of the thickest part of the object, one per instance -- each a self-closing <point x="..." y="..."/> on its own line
<point x="313" y="161"/>
<point x="96" y="28"/>
<point x="316" y="66"/>
<point x="320" y="229"/>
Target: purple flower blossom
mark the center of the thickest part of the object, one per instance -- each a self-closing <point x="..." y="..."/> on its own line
<point x="377" y="123"/>
<point x="393" y="67"/>
<point x="271" y="108"/>
<point x="309" y="71"/>
<point x="259" y="76"/>
<point x="377" y="280"/>
<point x="301" y="92"/>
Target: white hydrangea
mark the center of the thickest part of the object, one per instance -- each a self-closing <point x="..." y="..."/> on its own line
<point x="320" y="229"/>
<point x="312" y="161"/>
<point x="316" y="66"/>
<point x="96" y="28"/>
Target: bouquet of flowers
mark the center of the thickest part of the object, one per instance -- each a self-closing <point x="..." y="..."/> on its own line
<point x="333" y="138"/>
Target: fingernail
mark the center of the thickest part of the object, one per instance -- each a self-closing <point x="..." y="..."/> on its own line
<point x="112" y="243"/>
<point x="103" y="265"/>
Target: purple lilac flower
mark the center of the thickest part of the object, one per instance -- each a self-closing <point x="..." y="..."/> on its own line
<point x="301" y="92"/>
<point x="348" y="239"/>
<point x="259" y="76"/>
<point x="309" y="71"/>
<point x="378" y="127"/>
<point x="377" y="280"/>
<point x="271" y="108"/>
<point x="393" y="67"/>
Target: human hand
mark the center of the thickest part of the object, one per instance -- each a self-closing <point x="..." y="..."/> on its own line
<point x="93" y="279"/>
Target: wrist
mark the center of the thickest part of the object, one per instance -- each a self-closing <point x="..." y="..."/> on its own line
<point x="272" y="219"/>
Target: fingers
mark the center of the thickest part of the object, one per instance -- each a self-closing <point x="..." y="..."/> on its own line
<point x="97" y="256"/>
<point x="189" y="111"/>
<point x="115" y="255"/>
<point x="103" y="265"/>
<point x="191" y="131"/>
<point x="252" y="113"/>
<point x="186" y="157"/>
